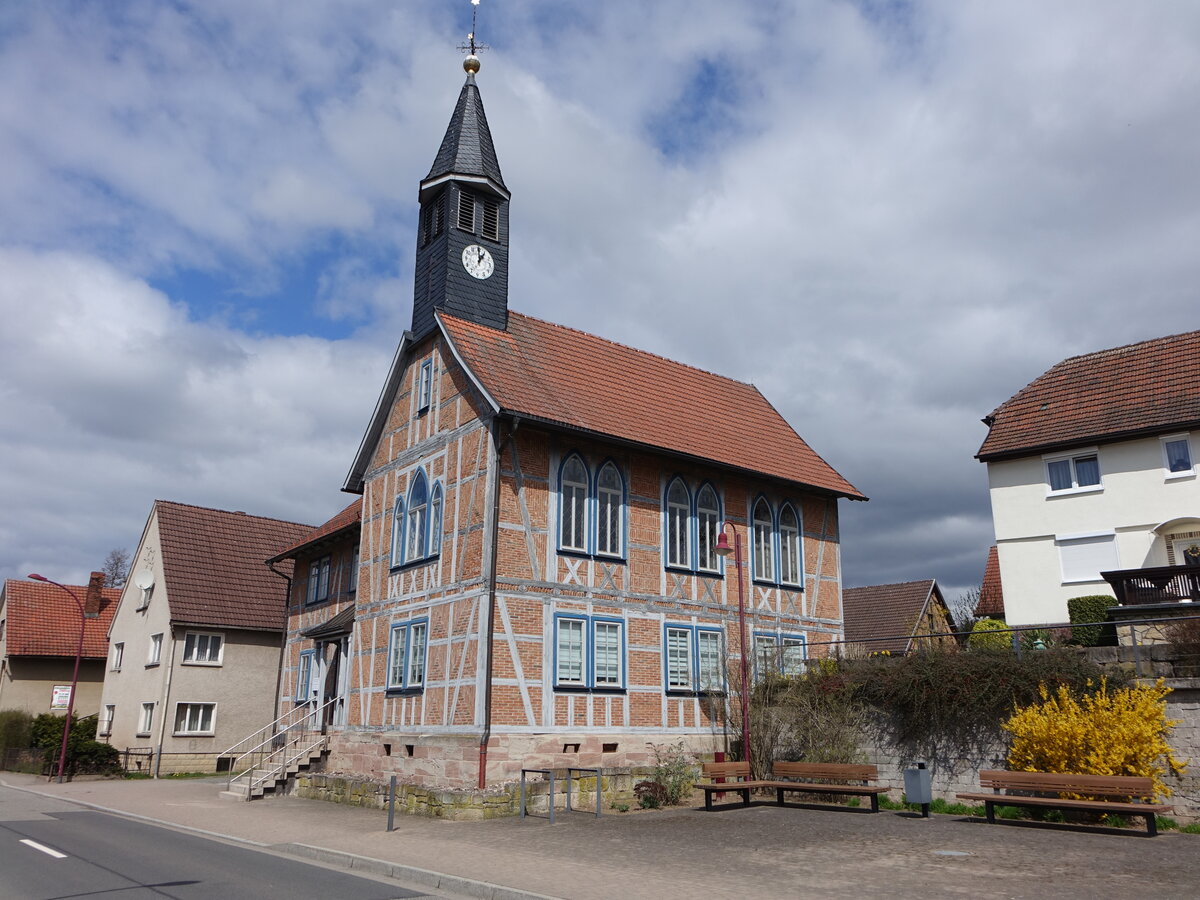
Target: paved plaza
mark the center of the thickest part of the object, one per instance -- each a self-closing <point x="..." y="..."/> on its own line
<point x="763" y="851"/>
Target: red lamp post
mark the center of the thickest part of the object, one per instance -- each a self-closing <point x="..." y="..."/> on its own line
<point x="83" y="616"/>
<point x="724" y="550"/>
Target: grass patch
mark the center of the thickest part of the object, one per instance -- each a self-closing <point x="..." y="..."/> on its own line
<point x="1166" y="823"/>
<point x="1194" y="828"/>
<point x="137" y="776"/>
<point x="190" y="775"/>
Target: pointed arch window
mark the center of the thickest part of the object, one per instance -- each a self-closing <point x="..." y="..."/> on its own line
<point x="789" y="545"/>
<point x="679" y="510"/>
<point x="417" y="524"/>
<point x="610" y="502"/>
<point x="398" y="533"/>
<point x="573" y="491"/>
<point x="708" y="523"/>
<point x="764" y="542"/>
<point x="435" y="520"/>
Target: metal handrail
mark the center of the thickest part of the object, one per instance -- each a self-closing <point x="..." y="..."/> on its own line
<point x="271" y="773"/>
<point x="271" y="730"/>
<point x="259" y="753"/>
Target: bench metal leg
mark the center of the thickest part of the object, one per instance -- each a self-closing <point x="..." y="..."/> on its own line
<point x="990" y="808"/>
<point x="1151" y="824"/>
<point x="779" y="795"/>
<point x="708" y="801"/>
<point x="745" y="797"/>
<point x="874" y="803"/>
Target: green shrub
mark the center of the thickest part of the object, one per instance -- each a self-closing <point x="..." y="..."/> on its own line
<point x="1089" y="608"/>
<point x="1193" y="828"/>
<point x="989" y="634"/>
<point x="84" y="753"/>
<point x="650" y="794"/>
<point x="15" y="725"/>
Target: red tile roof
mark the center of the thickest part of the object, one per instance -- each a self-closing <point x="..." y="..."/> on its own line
<point x="214" y="569"/>
<point x="349" y="518"/>
<point x="43" y="620"/>
<point x="891" y="611"/>
<point x="1144" y="388"/>
<point x="991" y="592"/>
<point x="572" y="379"/>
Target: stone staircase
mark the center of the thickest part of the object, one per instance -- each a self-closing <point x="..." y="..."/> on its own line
<point x="268" y="760"/>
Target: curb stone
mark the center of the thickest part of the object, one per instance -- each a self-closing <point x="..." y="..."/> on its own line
<point x="465" y="887"/>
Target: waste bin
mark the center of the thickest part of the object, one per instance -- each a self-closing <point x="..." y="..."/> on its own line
<point x="918" y="786"/>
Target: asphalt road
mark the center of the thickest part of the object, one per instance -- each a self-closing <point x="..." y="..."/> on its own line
<point x="51" y="850"/>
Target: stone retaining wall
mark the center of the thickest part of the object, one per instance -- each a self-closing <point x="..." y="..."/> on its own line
<point x="414" y="799"/>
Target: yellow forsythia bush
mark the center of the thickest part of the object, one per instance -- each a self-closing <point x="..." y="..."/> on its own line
<point x="1121" y="732"/>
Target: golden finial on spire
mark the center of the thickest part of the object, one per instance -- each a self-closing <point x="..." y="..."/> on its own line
<point x="471" y="63"/>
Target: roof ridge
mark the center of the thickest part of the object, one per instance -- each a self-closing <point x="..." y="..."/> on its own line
<point x="1124" y="347"/>
<point x="893" y="584"/>
<point x="232" y="512"/>
<point x="630" y="347"/>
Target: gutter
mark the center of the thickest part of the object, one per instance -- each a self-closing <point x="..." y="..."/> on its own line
<point x="491" y="592"/>
<point x="166" y="704"/>
<point x="284" y="639"/>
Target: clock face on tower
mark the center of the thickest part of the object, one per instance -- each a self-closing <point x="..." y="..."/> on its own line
<point x="478" y="262"/>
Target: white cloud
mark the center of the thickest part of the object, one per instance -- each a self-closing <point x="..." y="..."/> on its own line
<point x="888" y="216"/>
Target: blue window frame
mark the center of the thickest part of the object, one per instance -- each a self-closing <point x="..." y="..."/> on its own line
<point x="304" y="673"/>
<point x="417" y="522"/>
<point x="693" y="659"/>
<point x="398" y="533"/>
<point x="779" y="653"/>
<point x="591" y="511"/>
<point x="776" y="544"/>
<point x="791" y="565"/>
<point x="762" y="541"/>
<point x="589" y="652"/>
<point x="691" y="526"/>
<point x="407" y="648"/>
<point x="425" y="386"/>
<point x="677" y="508"/>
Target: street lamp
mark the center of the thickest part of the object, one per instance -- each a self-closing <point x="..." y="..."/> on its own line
<point x="83" y="617"/>
<point x="723" y="550"/>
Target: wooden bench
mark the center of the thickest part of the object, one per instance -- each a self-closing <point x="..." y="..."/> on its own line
<point x="827" y="778"/>
<point x="1031" y="786"/>
<point x="739" y="781"/>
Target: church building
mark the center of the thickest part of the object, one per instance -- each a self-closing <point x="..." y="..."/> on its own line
<point x="538" y="580"/>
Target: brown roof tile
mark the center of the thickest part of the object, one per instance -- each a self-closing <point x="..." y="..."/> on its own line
<point x="213" y="565"/>
<point x="885" y="611"/>
<point x="42" y="620"/>
<point x="1153" y="386"/>
<point x="991" y="592"/>
<point x="572" y="379"/>
<point x="350" y="517"/>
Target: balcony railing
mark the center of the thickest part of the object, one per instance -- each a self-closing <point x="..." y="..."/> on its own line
<point x="1164" y="584"/>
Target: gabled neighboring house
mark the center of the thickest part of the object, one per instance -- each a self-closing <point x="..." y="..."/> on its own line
<point x="321" y="615"/>
<point x="541" y="509"/>
<point x="1092" y="469"/>
<point x="195" y="644"/>
<point x="39" y="635"/>
<point x="893" y="617"/>
<point x="991" y="591"/>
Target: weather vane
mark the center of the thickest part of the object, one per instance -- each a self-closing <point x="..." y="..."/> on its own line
<point x="471" y="63"/>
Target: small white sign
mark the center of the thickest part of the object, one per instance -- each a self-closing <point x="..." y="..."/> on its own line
<point x="62" y="696"/>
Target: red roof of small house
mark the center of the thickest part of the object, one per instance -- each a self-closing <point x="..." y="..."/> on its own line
<point x="214" y="566"/>
<point x="42" y="620"/>
<point x="991" y="591"/>
<point x="571" y="379"/>
<point x="348" y="519"/>
<point x="1145" y="388"/>
<point x="891" y="611"/>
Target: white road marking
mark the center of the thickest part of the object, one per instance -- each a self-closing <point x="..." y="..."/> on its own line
<point x="49" y="852"/>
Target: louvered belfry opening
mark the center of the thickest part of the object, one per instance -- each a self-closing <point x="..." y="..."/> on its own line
<point x="466" y="212"/>
<point x="491" y="220"/>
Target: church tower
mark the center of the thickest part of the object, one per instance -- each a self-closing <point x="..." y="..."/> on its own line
<point x="462" y="238"/>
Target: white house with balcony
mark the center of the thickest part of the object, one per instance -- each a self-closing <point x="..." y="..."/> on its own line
<point x="1092" y="468"/>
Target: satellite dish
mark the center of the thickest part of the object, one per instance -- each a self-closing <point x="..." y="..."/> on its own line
<point x="143" y="580"/>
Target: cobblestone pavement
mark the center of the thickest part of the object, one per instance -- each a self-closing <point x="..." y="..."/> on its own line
<point x="764" y="851"/>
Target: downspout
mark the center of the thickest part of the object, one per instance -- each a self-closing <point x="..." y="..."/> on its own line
<point x="166" y="704"/>
<point x="491" y="617"/>
<point x="283" y="641"/>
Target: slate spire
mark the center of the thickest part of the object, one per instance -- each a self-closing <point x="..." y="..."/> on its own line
<point x="467" y="148"/>
<point x="462" y="235"/>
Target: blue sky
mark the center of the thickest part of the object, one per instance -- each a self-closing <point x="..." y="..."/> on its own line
<point x="888" y="216"/>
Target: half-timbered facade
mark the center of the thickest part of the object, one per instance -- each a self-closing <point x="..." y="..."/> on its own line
<point x="539" y="582"/>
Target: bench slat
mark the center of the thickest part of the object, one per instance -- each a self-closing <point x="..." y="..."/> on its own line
<point x="1101" y="785"/>
<point x="831" y="771"/>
